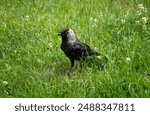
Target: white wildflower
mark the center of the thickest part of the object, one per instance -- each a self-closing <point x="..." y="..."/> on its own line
<point x="15" y="51"/>
<point x="123" y="21"/>
<point x="27" y="17"/>
<point x="141" y="9"/>
<point x="144" y="27"/>
<point x="50" y="45"/>
<point x="126" y="15"/>
<point x="91" y="18"/>
<point x="5" y="83"/>
<point x="145" y="10"/>
<point x="128" y="59"/>
<point x="144" y="20"/>
<point x="139" y="13"/>
<point x="140" y="6"/>
<point x="137" y="22"/>
<point x="95" y="20"/>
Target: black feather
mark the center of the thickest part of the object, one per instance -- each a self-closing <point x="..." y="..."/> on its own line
<point x="74" y="49"/>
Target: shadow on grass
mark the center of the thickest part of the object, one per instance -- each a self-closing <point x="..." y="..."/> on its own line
<point x="92" y="62"/>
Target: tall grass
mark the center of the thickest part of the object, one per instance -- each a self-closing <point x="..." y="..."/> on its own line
<point x="32" y="64"/>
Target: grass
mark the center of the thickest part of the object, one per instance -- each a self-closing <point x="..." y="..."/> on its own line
<point x="32" y="64"/>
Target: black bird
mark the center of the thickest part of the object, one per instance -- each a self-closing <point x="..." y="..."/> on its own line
<point x="73" y="48"/>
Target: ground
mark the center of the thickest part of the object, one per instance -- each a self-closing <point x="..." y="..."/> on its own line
<point x="33" y="65"/>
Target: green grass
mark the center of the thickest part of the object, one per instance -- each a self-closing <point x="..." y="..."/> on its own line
<point x="32" y="64"/>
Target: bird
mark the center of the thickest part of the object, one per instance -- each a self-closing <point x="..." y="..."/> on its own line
<point x="73" y="48"/>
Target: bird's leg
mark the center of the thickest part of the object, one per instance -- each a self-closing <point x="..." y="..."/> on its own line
<point x="81" y="64"/>
<point x="72" y="63"/>
<point x="81" y="61"/>
<point x="69" y="69"/>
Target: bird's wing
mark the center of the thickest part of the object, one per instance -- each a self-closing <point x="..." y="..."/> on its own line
<point x="88" y="50"/>
<point x="77" y="45"/>
<point x="86" y="45"/>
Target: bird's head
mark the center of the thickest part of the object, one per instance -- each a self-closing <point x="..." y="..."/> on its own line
<point x="67" y="34"/>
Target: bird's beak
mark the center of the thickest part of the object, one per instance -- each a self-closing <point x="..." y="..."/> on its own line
<point x="59" y="34"/>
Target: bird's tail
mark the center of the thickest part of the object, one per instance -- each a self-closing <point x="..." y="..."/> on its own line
<point x="92" y="52"/>
<point x="98" y="55"/>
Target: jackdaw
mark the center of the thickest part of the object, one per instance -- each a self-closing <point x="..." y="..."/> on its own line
<point x="73" y="48"/>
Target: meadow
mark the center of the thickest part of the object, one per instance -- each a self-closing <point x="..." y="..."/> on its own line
<point x="33" y="65"/>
